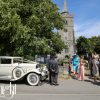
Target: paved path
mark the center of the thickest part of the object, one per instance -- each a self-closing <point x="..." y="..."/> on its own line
<point x="70" y="89"/>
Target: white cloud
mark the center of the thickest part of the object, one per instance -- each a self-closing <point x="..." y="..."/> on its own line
<point x="87" y="29"/>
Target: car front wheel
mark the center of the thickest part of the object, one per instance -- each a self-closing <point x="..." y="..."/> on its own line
<point x="33" y="79"/>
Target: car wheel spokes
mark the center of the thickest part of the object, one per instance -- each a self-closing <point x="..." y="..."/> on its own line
<point x="33" y="79"/>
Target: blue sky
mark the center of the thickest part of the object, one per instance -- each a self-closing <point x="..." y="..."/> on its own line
<point x="86" y="16"/>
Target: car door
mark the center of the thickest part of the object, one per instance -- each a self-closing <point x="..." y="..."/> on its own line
<point x="6" y="68"/>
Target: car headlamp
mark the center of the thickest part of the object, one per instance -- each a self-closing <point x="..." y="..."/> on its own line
<point x="38" y="66"/>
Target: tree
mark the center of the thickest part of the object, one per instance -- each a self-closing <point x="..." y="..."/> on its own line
<point x="88" y="45"/>
<point x="57" y="43"/>
<point x="26" y="27"/>
<point x="84" y="45"/>
<point x="96" y="43"/>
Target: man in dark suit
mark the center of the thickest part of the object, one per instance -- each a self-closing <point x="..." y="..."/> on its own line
<point x="53" y="70"/>
<point x="89" y="58"/>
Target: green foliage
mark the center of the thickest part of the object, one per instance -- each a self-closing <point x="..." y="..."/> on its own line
<point x="82" y="45"/>
<point x="66" y="56"/>
<point x="57" y="43"/>
<point x="26" y="27"/>
<point x="88" y="45"/>
<point x="95" y="41"/>
<point x="61" y="62"/>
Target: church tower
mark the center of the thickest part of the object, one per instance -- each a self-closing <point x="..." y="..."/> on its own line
<point x="67" y="33"/>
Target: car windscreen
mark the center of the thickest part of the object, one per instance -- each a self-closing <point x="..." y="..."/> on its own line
<point x="28" y="61"/>
<point x="17" y="60"/>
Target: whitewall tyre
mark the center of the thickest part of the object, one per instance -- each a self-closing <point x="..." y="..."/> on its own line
<point x="33" y="79"/>
<point x="17" y="73"/>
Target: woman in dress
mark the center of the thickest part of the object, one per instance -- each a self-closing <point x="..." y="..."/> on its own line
<point x="81" y="69"/>
<point x="95" y="68"/>
<point x="99" y="64"/>
<point x="75" y="64"/>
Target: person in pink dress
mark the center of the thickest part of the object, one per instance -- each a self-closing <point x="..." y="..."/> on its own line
<point x="81" y="69"/>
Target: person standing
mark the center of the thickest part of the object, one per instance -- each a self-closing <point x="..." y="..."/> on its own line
<point x="47" y="64"/>
<point x="95" y="68"/>
<point x="99" y="64"/>
<point x="81" y="69"/>
<point x="90" y="64"/>
<point x="66" y="63"/>
<point x="53" y="70"/>
<point x="75" y="64"/>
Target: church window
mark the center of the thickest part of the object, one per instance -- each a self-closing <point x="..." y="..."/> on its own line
<point x="65" y="30"/>
<point x="66" y="50"/>
<point x="65" y="38"/>
<point x="66" y="22"/>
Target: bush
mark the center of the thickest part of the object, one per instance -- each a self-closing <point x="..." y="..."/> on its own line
<point x="60" y="62"/>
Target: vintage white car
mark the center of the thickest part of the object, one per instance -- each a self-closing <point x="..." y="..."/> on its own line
<point x="15" y="68"/>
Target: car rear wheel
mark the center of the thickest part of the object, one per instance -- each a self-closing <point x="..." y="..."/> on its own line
<point x="33" y="79"/>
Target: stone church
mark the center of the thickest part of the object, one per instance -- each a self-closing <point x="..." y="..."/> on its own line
<point x="67" y="33"/>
